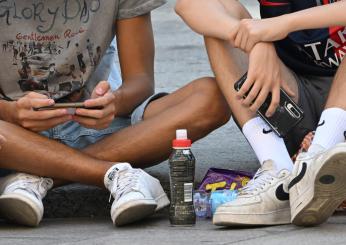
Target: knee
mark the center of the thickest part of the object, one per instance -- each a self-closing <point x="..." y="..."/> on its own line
<point x="213" y="110"/>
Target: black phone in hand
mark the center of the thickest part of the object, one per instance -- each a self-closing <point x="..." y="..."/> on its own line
<point x="287" y="115"/>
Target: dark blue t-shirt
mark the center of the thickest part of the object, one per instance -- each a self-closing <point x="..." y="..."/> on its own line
<point x="313" y="52"/>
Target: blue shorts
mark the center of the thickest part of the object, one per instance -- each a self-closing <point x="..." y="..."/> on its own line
<point x="74" y="135"/>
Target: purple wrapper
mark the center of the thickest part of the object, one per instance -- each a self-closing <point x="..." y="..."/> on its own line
<point x="220" y="179"/>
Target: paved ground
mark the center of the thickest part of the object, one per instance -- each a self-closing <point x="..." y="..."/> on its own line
<point x="180" y="58"/>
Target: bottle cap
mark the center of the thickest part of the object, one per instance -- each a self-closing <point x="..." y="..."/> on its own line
<point x="181" y="140"/>
<point x="181" y="134"/>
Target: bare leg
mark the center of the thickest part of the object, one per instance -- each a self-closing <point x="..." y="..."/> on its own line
<point x="145" y="143"/>
<point x="230" y="64"/>
<point x="199" y="107"/>
<point x="29" y="152"/>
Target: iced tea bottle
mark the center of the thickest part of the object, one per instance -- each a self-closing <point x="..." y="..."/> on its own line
<point x="182" y="174"/>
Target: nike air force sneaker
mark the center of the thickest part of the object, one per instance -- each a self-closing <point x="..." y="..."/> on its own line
<point x="136" y="194"/>
<point x="318" y="184"/>
<point x="21" y="198"/>
<point x="263" y="201"/>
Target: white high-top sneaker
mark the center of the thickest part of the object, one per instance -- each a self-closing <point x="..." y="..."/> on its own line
<point x="21" y="198"/>
<point x="318" y="184"/>
<point x="136" y="194"/>
<point x="263" y="201"/>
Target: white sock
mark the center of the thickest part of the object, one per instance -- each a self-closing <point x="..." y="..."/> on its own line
<point x="267" y="146"/>
<point x="331" y="128"/>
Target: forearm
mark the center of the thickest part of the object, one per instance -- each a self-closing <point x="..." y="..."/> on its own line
<point x="211" y="17"/>
<point x="317" y="17"/>
<point x="132" y="93"/>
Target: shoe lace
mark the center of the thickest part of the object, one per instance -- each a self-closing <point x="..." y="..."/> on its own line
<point x="123" y="183"/>
<point x="261" y="179"/>
<point x="37" y="186"/>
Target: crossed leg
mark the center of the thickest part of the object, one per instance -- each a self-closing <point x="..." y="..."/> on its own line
<point x="142" y="145"/>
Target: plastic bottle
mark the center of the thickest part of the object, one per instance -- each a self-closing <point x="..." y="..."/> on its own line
<point x="182" y="174"/>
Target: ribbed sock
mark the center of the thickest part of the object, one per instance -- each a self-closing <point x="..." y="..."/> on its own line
<point x="331" y="128"/>
<point x="266" y="144"/>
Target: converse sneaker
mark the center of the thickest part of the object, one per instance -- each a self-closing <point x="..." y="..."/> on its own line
<point x="136" y="194"/>
<point x="21" y="198"/>
<point x="318" y="186"/>
<point x="263" y="201"/>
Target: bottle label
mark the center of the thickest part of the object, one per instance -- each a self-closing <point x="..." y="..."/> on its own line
<point x="188" y="192"/>
<point x="186" y="152"/>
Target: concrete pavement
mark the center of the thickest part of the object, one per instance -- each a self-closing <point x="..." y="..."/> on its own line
<point x="156" y="230"/>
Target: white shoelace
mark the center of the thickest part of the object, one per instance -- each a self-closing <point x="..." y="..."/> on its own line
<point x="261" y="179"/>
<point x="124" y="183"/>
<point x="33" y="184"/>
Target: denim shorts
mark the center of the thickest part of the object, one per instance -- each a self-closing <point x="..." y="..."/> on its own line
<point x="75" y="136"/>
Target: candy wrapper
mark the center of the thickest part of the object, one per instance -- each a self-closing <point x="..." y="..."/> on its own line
<point x="218" y="187"/>
<point x="220" y="179"/>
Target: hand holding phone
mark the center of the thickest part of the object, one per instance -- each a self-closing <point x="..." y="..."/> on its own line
<point x="287" y="115"/>
<point x="67" y="106"/>
<point x="23" y="114"/>
<point x="89" y="117"/>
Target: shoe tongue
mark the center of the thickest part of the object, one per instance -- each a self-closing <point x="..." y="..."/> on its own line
<point x="119" y="167"/>
<point x="268" y="165"/>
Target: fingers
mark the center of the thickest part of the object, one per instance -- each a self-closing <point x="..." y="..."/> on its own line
<point x="246" y="86"/>
<point x="247" y="34"/>
<point x="260" y="100"/>
<point x="47" y="114"/>
<point x="274" y="102"/>
<point x="250" y="44"/>
<point x="93" y="122"/>
<point x="98" y="114"/>
<point x="97" y="119"/>
<point x="39" y="125"/>
<point x="251" y="97"/>
<point x="101" y="89"/>
<point x="101" y="101"/>
<point x="287" y="89"/>
<point x="238" y="39"/>
<point x="34" y="102"/>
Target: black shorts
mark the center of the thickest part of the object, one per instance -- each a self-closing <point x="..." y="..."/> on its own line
<point x="313" y="93"/>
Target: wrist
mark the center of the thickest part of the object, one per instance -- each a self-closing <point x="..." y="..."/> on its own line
<point x="290" y="22"/>
<point x="6" y="110"/>
<point x="231" y="30"/>
<point x="117" y="100"/>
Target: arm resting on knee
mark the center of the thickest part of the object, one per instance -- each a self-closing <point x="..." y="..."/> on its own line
<point x="213" y="18"/>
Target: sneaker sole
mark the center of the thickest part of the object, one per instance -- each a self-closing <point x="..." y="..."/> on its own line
<point x="162" y="202"/>
<point x="328" y="193"/>
<point x="19" y="210"/>
<point x="133" y="211"/>
<point x="280" y="217"/>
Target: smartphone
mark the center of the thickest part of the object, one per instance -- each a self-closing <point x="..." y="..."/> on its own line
<point x="66" y="105"/>
<point x="287" y="115"/>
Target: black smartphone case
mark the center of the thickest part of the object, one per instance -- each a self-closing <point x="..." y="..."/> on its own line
<point x="287" y="115"/>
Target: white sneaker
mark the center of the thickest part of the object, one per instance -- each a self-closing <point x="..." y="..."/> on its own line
<point x="21" y="198"/>
<point x="318" y="184"/>
<point x="263" y="201"/>
<point x="136" y="194"/>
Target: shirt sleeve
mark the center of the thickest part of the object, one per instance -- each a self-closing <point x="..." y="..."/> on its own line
<point x="133" y="8"/>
